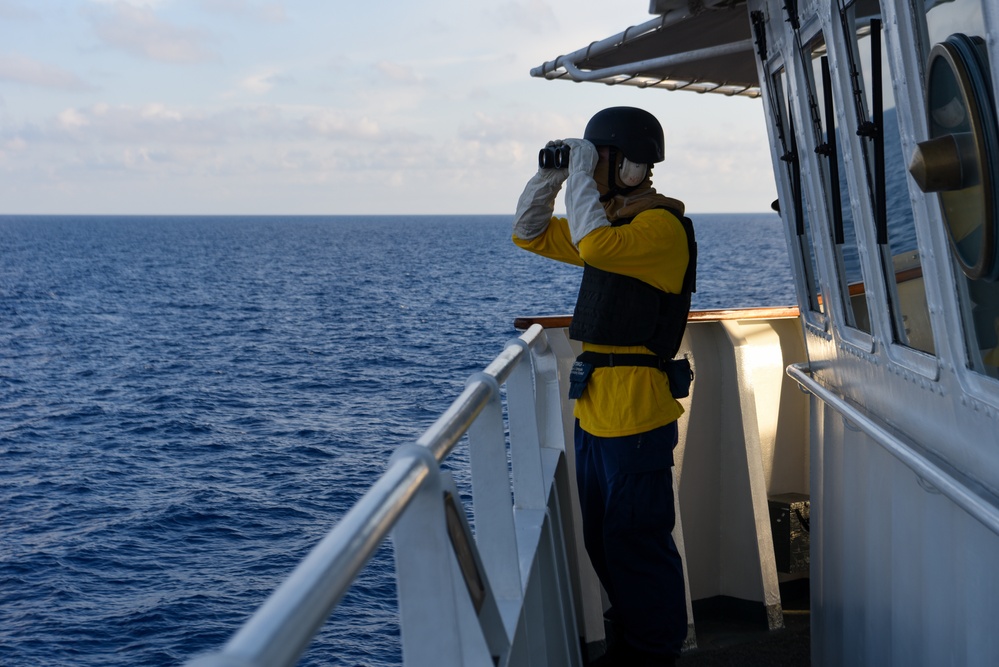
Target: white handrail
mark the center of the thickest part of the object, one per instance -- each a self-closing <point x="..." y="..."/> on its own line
<point x="978" y="503"/>
<point x="282" y="628"/>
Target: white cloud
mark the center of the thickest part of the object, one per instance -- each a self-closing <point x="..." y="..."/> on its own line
<point x="16" y="144"/>
<point x="138" y="31"/>
<point x="158" y="124"/>
<point x="401" y="111"/>
<point x="12" y="9"/>
<point x="134" y="3"/>
<point x="485" y="126"/>
<point x="273" y="12"/>
<point x="21" y="69"/>
<point x="263" y="81"/>
<point x="335" y="124"/>
<point x="398" y="72"/>
<point x="152" y="112"/>
<point x="71" y="119"/>
<point x="533" y="16"/>
<point x="268" y="12"/>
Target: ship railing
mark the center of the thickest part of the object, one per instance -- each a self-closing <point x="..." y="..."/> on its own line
<point x="489" y="600"/>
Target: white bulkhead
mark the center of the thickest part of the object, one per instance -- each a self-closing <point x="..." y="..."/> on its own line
<point x="899" y="314"/>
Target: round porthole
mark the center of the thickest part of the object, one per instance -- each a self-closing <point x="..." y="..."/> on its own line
<point x="960" y="159"/>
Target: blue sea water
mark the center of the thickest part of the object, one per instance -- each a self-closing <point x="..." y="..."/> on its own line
<point x="187" y="405"/>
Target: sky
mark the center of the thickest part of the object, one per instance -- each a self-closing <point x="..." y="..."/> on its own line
<point x="328" y="107"/>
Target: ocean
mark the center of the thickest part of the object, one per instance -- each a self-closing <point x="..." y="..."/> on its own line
<point x="188" y="404"/>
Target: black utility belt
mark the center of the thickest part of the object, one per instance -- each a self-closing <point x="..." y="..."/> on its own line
<point x="610" y="359"/>
<point x="678" y="371"/>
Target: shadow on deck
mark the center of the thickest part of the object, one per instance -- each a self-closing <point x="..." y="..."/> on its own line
<point x="729" y="635"/>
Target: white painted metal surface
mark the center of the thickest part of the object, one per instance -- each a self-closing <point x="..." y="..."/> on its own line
<point x="904" y="442"/>
<point x="743" y="440"/>
<point x="494" y="600"/>
<point x="904" y="410"/>
<point x="541" y="602"/>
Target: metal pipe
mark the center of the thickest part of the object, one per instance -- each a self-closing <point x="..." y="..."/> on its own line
<point x="926" y="470"/>
<point x="282" y="628"/>
<point x="444" y="434"/>
<point x="654" y="63"/>
<point x="612" y="42"/>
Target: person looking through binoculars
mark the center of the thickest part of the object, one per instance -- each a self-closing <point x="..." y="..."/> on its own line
<point x="638" y="256"/>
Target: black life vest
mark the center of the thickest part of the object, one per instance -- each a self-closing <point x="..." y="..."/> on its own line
<point x="614" y="309"/>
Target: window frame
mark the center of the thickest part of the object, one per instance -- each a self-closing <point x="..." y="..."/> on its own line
<point x="954" y="317"/>
<point x="808" y="269"/>
<point x="844" y="318"/>
<point x="887" y="317"/>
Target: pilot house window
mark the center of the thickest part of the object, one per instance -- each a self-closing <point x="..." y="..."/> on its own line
<point x="828" y="140"/>
<point x="960" y="163"/>
<point x="886" y="178"/>
<point x="794" y="211"/>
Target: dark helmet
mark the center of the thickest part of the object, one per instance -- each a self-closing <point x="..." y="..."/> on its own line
<point x="634" y="132"/>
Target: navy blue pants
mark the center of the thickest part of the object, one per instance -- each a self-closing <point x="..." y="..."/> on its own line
<point x="626" y="495"/>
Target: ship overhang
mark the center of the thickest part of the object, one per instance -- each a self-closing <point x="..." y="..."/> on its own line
<point x="705" y="46"/>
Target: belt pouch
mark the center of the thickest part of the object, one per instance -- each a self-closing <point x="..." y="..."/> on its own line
<point x="578" y="377"/>
<point x="680" y="376"/>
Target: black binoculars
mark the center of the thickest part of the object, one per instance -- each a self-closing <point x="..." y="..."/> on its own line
<point x="554" y="157"/>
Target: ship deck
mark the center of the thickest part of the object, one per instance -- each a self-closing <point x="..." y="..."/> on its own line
<point x="730" y="636"/>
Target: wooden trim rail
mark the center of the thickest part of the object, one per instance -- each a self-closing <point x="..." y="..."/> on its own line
<point x="769" y="313"/>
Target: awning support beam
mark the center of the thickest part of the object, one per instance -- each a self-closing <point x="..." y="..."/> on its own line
<point x="631" y="69"/>
<point x="611" y="43"/>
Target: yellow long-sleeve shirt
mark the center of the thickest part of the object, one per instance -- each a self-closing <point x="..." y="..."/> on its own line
<point x="624" y="400"/>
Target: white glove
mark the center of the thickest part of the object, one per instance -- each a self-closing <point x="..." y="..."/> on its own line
<point x="537" y="203"/>
<point x="582" y="156"/>
<point x="582" y="199"/>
